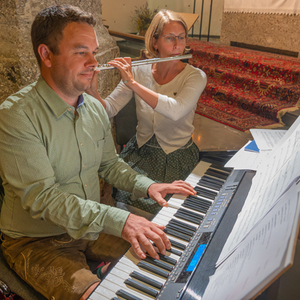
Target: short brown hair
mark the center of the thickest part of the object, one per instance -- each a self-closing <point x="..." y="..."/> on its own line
<point x="49" y="24"/>
<point x="156" y="27"/>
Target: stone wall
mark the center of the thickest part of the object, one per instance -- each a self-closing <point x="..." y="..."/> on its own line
<point x="277" y="31"/>
<point x="18" y="65"/>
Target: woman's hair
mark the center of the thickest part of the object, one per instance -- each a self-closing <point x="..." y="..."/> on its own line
<point x="156" y="27"/>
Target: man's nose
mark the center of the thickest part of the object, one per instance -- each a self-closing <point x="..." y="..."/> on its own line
<point x="92" y="61"/>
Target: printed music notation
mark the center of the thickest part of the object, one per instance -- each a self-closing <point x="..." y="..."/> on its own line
<point x="262" y="255"/>
<point x="274" y="175"/>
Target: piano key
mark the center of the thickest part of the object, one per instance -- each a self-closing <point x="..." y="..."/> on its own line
<point x="190" y="213"/>
<point x="146" y="279"/>
<point x="141" y="287"/>
<point x="177" y="244"/>
<point x="205" y="193"/>
<point x="168" y="258"/>
<point x="188" y="218"/>
<point x="153" y="269"/>
<point x="116" y="283"/>
<point x="183" y="224"/>
<point x="200" y="199"/>
<point x="177" y="218"/>
<point x="102" y="293"/>
<point x="217" y="174"/>
<point x="221" y="168"/>
<point x="125" y="295"/>
<point x="126" y="266"/>
<point x="196" y="207"/>
<point x="128" y="296"/>
<point x="179" y="228"/>
<point x="177" y="234"/>
<point x="158" y="263"/>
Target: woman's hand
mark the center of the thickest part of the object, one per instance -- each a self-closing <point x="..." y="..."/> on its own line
<point x="123" y="64"/>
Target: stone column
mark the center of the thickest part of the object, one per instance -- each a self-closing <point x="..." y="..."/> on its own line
<point x="18" y="66"/>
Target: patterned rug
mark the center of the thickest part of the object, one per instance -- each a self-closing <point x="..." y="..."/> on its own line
<point x="246" y="89"/>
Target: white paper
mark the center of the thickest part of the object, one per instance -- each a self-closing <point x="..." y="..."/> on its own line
<point x="273" y="176"/>
<point x="246" y="160"/>
<point x="266" y="139"/>
<point x="258" y="258"/>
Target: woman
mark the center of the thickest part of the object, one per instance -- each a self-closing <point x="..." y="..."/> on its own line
<point x="166" y="96"/>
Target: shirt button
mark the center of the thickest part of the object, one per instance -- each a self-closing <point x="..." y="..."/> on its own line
<point x="69" y="109"/>
<point x="85" y="185"/>
<point x="83" y="166"/>
<point x="81" y="144"/>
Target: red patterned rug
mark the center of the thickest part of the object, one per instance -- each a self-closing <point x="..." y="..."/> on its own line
<point x="246" y="89"/>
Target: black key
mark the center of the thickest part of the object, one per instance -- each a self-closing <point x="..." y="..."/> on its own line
<point x="217" y="174"/>
<point x="122" y="293"/>
<point x="213" y="180"/>
<point x="210" y="185"/>
<point x="167" y="259"/>
<point x="158" y="263"/>
<point x="199" y="199"/>
<point x="190" y="213"/>
<point x="141" y="287"/>
<point x="180" y="229"/>
<point x="146" y="279"/>
<point x="175" y="251"/>
<point x="115" y="298"/>
<point x="177" y="244"/>
<point x="205" y="193"/>
<point x="153" y="269"/>
<point x="183" y="225"/>
<point x="177" y="234"/>
<point x="172" y="250"/>
<point x="224" y="169"/>
<point x="187" y="218"/>
<point x="195" y="207"/>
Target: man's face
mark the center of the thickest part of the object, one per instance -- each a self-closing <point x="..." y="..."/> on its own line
<point x="72" y="69"/>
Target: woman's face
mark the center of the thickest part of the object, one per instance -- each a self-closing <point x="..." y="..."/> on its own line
<point x="172" y="40"/>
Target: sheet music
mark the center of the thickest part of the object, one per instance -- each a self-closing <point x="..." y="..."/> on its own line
<point x="247" y="160"/>
<point x="262" y="255"/>
<point x="266" y="139"/>
<point x="273" y="176"/>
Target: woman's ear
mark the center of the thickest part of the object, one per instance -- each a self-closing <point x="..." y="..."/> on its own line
<point x="45" y="55"/>
<point x="154" y="43"/>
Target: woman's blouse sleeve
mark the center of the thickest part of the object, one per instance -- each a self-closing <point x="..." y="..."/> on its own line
<point x="179" y="106"/>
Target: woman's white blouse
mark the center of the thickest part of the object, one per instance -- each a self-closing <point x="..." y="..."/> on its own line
<point x="172" y="118"/>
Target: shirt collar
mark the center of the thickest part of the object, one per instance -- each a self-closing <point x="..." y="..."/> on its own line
<point x="56" y="103"/>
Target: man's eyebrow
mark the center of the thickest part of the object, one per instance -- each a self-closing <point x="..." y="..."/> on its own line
<point x="79" y="46"/>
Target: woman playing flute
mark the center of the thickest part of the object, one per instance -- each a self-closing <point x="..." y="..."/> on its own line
<point x="166" y="96"/>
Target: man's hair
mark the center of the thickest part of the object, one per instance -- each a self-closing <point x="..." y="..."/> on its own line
<point x="49" y="24"/>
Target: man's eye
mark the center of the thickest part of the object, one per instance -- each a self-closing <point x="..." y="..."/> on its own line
<point x="169" y="38"/>
<point x="81" y="53"/>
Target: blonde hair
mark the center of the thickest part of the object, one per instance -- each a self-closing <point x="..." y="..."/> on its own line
<point x="156" y="27"/>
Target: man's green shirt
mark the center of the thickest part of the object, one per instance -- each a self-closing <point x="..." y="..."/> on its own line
<point x="50" y="159"/>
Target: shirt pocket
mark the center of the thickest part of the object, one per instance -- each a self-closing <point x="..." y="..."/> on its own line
<point x="98" y="151"/>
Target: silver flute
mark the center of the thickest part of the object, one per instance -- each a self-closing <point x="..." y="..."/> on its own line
<point x="145" y="62"/>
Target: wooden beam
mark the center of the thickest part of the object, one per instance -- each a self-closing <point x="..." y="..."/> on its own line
<point x="128" y="36"/>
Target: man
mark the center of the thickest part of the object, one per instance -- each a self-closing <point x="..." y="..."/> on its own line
<point x="55" y="141"/>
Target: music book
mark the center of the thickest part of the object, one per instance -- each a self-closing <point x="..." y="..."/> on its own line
<point x="261" y="244"/>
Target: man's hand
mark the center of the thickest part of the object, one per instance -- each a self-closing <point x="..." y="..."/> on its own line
<point x="157" y="191"/>
<point x="138" y="231"/>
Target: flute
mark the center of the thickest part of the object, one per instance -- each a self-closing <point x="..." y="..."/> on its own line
<point x="145" y="62"/>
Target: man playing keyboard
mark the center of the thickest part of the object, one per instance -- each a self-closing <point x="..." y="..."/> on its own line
<point x="55" y="142"/>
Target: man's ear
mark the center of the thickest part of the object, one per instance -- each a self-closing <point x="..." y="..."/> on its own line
<point x="45" y="54"/>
